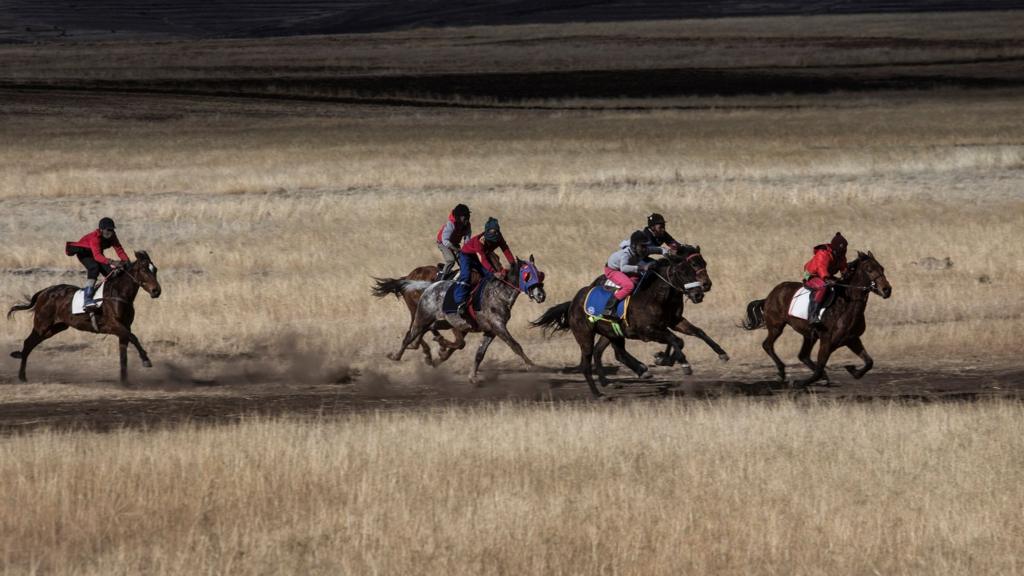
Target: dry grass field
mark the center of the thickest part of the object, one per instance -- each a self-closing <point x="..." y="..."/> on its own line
<point x="271" y="180"/>
<point x="646" y="488"/>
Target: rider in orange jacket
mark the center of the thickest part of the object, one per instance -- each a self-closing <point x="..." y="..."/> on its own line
<point x="819" y="273"/>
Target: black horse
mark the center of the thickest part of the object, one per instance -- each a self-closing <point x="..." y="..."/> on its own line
<point x="655" y="306"/>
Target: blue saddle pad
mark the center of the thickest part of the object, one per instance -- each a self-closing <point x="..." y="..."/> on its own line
<point x="598" y="298"/>
<point x="449" y="306"/>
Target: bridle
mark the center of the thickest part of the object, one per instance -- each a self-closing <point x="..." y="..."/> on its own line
<point x="686" y="287"/>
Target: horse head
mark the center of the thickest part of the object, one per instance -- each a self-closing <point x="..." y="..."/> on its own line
<point x="530" y="280"/>
<point x="681" y="275"/>
<point x="700" y="266"/>
<point x="868" y="273"/>
<point x="143" y="271"/>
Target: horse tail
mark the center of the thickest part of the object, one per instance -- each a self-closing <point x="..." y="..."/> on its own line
<point x="385" y="286"/>
<point x="397" y="286"/>
<point x="555" y="319"/>
<point x="755" y="315"/>
<point x="26" y="306"/>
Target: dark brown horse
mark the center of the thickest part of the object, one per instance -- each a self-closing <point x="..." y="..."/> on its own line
<point x="669" y="357"/>
<point x="52" y="309"/>
<point x="384" y="286"/>
<point x="654" y="307"/>
<point x="843" y="323"/>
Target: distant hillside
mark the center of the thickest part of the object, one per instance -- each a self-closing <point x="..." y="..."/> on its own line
<point x="35" y="20"/>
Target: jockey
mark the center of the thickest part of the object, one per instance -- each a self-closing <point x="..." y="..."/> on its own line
<point x="89" y="250"/>
<point x="656" y="238"/>
<point x="625" y="265"/>
<point x="819" y="273"/>
<point x="450" y="237"/>
<point x="475" y="255"/>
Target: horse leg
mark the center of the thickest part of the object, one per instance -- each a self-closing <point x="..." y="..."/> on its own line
<point x="774" y="331"/>
<point x="824" y="351"/>
<point x="599" y="348"/>
<point x="623" y="356"/>
<point x="665" y="358"/>
<point x="447" y="351"/>
<point x="416" y="330"/>
<point x="480" y="352"/>
<point x="857" y="347"/>
<point x="142" y="353"/>
<point x="586" y="342"/>
<point x="805" y="353"/>
<point x="33" y="340"/>
<point x="685" y="327"/>
<point x="122" y="355"/>
<point x="502" y="332"/>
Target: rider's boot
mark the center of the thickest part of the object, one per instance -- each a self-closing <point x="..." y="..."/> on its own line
<point x="609" y="307"/>
<point x="90" y="289"/>
<point x="814" y="313"/>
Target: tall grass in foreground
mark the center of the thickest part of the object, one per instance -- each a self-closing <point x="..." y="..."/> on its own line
<point x="658" y="488"/>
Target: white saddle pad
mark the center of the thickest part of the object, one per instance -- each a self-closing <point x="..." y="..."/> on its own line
<point x="611" y="285"/>
<point x="78" y="301"/>
<point x="798" y="306"/>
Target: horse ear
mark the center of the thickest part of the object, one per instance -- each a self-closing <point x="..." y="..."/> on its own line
<point x="531" y="258"/>
<point x="871" y="254"/>
<point x="141" y="255"/>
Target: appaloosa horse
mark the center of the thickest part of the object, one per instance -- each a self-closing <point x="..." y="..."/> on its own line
<point x="497" y="297"/>
<point x="654" y="307"/>
<point x="52" y="311"/>
<point x="842" y="325"/>
<point x="384" y="286"/>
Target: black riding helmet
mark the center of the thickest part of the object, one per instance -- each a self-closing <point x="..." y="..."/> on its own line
<point x="106" y="223"/>
<point x="638" y="242"/>
<point x="655" y="219"/>
<point x="460" y="210"/>
<point x="839" y="245"/>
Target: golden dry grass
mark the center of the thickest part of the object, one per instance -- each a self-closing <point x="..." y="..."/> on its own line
<point x="659" y="488"/>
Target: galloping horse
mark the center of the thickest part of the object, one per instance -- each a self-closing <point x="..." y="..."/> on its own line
<point x="681" y="325"/>
<point x="654" y="306"/>
<point x="843" y="323"/>
<point x="411" y="297"/>
<point x="496" y="300"/>
<point x="52" y="311"/>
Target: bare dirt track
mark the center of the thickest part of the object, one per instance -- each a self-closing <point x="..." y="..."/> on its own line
<point x="210" y="402"/>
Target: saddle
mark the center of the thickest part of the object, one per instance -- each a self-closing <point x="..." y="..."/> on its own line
<point x="449" y="306"/>
<point x="78" y="300"/>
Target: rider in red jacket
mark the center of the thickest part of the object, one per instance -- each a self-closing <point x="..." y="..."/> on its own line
<point x="89" y="250"/>
<point x="819" y="273"/>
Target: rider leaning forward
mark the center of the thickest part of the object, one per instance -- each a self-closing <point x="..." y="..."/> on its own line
<point x="819" y="273"/>
<point x="89" y="250"/>
<point x="451" y="236"/>
<point x="475" y="255"/>
<point x="624" y="266"/>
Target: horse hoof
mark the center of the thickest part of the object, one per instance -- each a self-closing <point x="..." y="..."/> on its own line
<point x="687" y="370"/>
<point x="646" y="374"/>
<point x="16" y="354"/>
<point x="723" y="357"/>
<point x="147" y="364"/>
<point x="392" y="356"/>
